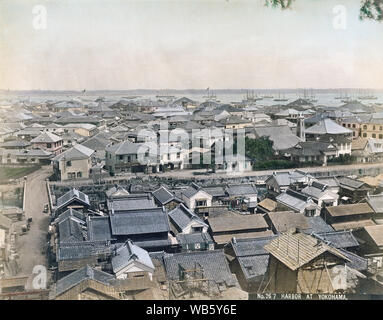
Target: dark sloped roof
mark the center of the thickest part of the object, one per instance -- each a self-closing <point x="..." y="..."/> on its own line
<point x="339" y="239"/>
<point x="131" y="202"/>
<point x="241" y="190"/>
<point x="128" y="252"/>
<point x="196" y="237"/>
<point x="181" y="217"/>
<point x="140" y="222"/>
<point x="213" y="262"/>
<point x="99" y="229"/>
<point x="72" y="194"/>
<point x="164" y="196"/>
<point x="80" y="275"/>
<point x="71" y="229"/>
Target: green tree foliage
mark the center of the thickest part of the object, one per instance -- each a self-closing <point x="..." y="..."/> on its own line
<point x="260" y="149"/>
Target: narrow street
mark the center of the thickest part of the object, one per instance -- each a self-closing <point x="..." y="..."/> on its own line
<point x="31" y="244"/>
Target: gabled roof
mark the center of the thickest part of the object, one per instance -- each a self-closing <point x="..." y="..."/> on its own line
<point x="181" y="217"/>
<point x="164" y="196"/>
<point x="70" y="213"/>
<point x="128" y="253"/>
<point x="71" y="229"/>
<point x="294" y="200"/>
<point x="96" y="143"/>
<point x="125" y="147"/>
<point x="327" y="126"/>
<point x="282" y="136"/>
<point x="298" y="249"/>
<point x="46" y="137"/>
<point x="76" y="277"/>
<point x="71" y="195"/>
<point x="78" y="152"/>
<point x="117" y="191"/>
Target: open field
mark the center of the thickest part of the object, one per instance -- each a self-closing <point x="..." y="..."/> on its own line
<point x="7" y="173"/>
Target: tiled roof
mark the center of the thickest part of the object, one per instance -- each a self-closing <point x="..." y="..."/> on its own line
<point x="69" y="196"/>
<point x="46" y="137"/>
<point x="77" y="152"/>
<point x="327" y="126"/>
<point x="80" y="275"/>
<point x="298" y="249"/>
<point x="131" y="202"/>
<point x="181" y="217"/>
<point x="99" y="229"/>
<point x="127" y="253"/>
<point x="213" y="262"/>
<point x="140" y="222"/>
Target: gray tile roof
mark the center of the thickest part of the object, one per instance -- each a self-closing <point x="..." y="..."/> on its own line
<point x="327" y="126"/>
<point x="99" y="229"/>
<point x="140" y="222"/>
<point x="131" y="202"/>
<point x="197" y="237"/>
<point x="78" y="152"/>
<point x="164" y="196"/>
<point x="213" y="262"/>
<point x="125" y="147"/>
<point x="46" y="137"/>
<point x="339" y="239"/>
<point x="241" y="190"/>
<point x="127" y="253"/>
<point x="71" y="229"/>
<point x="376" y="202"/>
<point x="96" y="143"/>
<point x="281" y="136"/>
<point x="81" y="250"/>
<point x="72" y="194"/>
<point x="70" y="213"/>
<point x="294" y="200"/>
<point x="215" y="191"/>
<point x="76" y="277"/>
<point x="254" y="266"/>
<point x="181" y="217"/>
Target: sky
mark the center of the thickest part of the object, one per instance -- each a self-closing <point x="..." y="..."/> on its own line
<point x="187" y="44"/>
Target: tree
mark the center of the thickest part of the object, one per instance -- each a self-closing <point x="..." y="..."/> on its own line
<point x="369" y="9"/>
<point x="260" y="149"/>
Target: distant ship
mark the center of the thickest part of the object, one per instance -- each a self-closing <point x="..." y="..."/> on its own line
<point x="251" y="97"/>
<point x="281" y="99"/>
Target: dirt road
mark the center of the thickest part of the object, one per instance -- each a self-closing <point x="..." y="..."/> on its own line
<point x="30" y="245"/>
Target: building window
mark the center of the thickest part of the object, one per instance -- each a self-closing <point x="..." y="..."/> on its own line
<point x="79" y="174"/>
<point x="373" y="128"/>
<point x="364" y="135"/>
<point x="178" y="155"/>
<point x="201" y="203"/>
<point x="69" y="163"/>
<point x="381" y="136"/>
<point x="197" y="246"/>
<point x="365" y="127"/>
<point x="374" y="135"/>
<point x="49" y="145"/>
